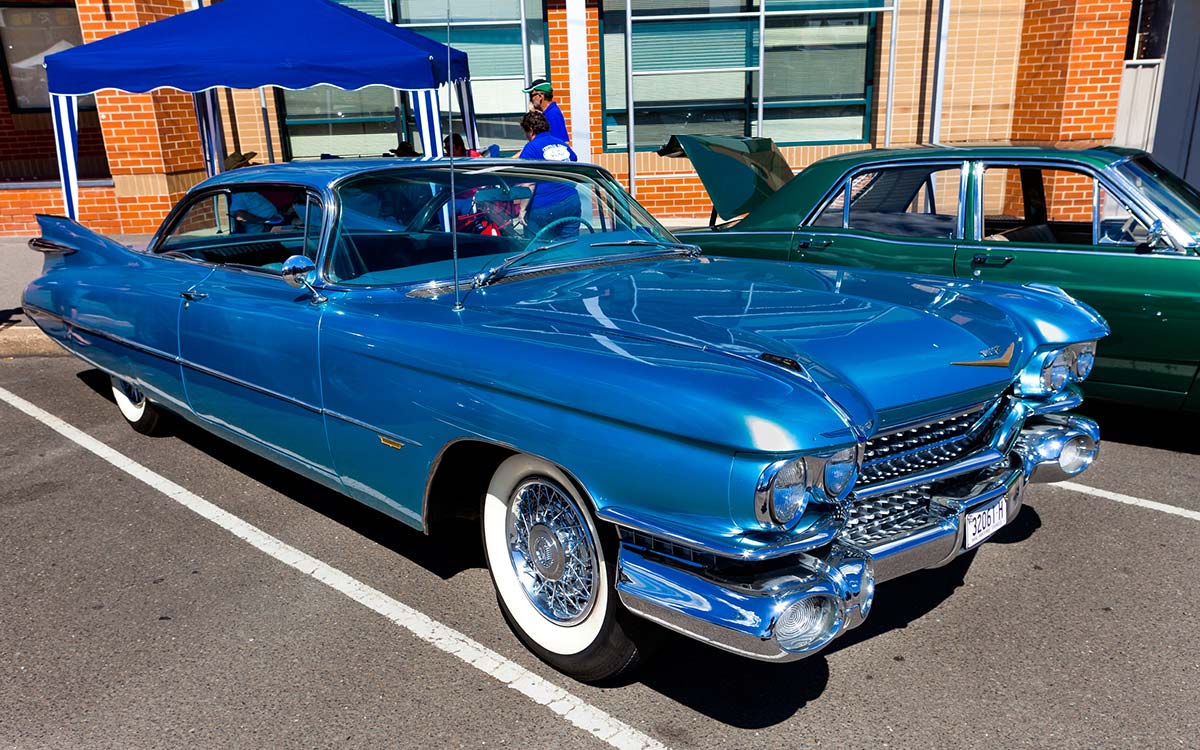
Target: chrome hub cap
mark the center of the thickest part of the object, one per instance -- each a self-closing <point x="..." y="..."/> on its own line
<point x="552" y="551"/>
<point x="132" y="393"/>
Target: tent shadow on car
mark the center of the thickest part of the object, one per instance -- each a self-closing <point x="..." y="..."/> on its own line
<point x="444" y="561"/>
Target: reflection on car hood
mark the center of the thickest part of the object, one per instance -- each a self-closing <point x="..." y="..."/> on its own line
<point x="872" y="343"/>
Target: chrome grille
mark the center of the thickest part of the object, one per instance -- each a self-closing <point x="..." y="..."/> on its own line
<point x="926" y="446"/>
<point x="878" y="519"/>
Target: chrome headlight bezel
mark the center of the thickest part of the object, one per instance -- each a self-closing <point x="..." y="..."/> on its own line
<point x="827" y="477"/>
<point x="1051" y="369"/>
<point x="1046" y="374"/>
<point x="1083" y="359"/>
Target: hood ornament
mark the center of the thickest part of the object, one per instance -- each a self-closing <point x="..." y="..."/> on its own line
<point x="989" y="358"/>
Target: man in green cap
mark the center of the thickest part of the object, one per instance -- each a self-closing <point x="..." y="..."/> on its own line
<point x="541" y="98"/>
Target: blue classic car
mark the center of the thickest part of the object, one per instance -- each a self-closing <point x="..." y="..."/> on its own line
<point x="738" y="450"/>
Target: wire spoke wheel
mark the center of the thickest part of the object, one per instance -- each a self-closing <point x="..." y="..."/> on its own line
<point x="553" y="567"/>
<point x="552" y="551"/>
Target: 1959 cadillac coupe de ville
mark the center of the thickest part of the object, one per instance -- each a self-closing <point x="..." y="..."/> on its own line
<point x="738" y="450"/>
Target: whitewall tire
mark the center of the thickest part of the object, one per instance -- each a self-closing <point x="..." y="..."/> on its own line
<point x="141" y="415"/>
<point x="553" y="571"/>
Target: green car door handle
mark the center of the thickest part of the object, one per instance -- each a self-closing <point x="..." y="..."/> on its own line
<point x="810" y="243"/>
<point x="982" y="259"/>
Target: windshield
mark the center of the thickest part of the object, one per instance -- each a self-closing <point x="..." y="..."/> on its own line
<point x="401" y="226"/>
<point x="1178" y="200"/>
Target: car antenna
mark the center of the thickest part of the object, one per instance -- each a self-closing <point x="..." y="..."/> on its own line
<point x="453" y="214"/>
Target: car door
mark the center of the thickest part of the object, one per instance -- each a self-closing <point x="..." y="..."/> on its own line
<point x="900" y="217"/>
<point x="1062" y="224"/>
<point x="248" y="340"/>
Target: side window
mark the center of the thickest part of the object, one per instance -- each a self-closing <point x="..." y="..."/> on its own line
<point x="1030" y="203"/>
<point x="253" y="226"/>
<point x="204" y="220"/>
<point x="917" y="201"/>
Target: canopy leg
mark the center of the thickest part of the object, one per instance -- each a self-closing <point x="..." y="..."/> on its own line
<point x="64" y="111"/>
<point x="426" y="106"/>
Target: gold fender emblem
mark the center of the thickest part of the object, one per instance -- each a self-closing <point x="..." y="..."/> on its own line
<point x="1002" y="361"/>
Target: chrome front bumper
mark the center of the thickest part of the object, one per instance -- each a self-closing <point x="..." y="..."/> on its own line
<point x="740" y="612"/>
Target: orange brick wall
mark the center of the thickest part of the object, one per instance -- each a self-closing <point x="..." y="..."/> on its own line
<point x="18" y="206"/>
<point x="1069" y="78"/>
<point x="27" y="138"/>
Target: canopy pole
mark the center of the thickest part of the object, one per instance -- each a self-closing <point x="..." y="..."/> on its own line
<point x="427" y="108"/>
<point x="466" y="105"/>
<point x="64" y="110"/>
<point x="212" y="134"/>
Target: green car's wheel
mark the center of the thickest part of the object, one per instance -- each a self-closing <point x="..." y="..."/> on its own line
<point x="553" y="569"/>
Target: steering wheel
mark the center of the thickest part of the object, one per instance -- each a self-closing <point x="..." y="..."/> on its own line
<point x="564" y="220"/>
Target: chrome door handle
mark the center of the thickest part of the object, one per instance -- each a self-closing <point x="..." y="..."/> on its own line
<point x="192" y="295"/>
<point x="982" y="259"/>
<point x="815" y="244"/>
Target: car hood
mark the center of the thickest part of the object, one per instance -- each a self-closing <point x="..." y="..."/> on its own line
<point x="876" y="348"/>
<point x="739" y="173"/>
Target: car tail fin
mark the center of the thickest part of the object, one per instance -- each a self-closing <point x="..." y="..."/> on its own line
<point x="65" y="241"/>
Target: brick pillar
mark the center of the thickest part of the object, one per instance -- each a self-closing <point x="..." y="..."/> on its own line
<point x="1069" y="77"/>
<point x="556" y="45"/>
<point x="153" y="144"/>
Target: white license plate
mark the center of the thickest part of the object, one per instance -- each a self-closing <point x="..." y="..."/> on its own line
<point x="984" y="522"/>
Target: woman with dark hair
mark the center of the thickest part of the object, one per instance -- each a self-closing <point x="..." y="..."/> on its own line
<point x="551" y="201"/>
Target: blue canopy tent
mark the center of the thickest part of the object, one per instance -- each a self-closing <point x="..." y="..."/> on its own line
<point x="246" y="44"/>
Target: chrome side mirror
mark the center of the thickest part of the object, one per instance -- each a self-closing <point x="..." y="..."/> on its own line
<point x="296" y="271"/>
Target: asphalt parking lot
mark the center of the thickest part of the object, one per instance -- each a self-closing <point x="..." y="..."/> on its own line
<point x="131" y="621"/>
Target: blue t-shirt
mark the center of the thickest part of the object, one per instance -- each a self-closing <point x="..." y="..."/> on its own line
<point x="549" y="148"/>
<point x="558" y="124"/>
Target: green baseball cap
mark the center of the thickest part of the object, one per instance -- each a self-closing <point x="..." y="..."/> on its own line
<point x="539" y="84"/>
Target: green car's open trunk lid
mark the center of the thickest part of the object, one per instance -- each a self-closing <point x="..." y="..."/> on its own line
<point x="739" y="173"/>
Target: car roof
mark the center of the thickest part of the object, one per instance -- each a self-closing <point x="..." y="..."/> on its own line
<point x="321" y="174"/>
<point x="791" y="203"/>
<point x="1098" y="156"/>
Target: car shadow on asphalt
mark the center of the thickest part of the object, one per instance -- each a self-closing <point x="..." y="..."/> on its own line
<point x="1131" y="425"/>
<point x="433" y="554"/>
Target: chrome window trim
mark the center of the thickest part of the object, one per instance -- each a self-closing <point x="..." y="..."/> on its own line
<point x="1107" y="177"/>
<point x="154" y="246"/>
<point x="1127" y="192"/>
<point x="843" y="183"/>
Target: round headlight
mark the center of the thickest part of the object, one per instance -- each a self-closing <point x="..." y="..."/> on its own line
<point x="1085" y="359"/>
<point x="789" y="492"/>
<point x="1055" y="372"/>
<point x="841" y="469"/>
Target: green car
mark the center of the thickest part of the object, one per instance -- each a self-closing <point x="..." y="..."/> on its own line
<point x="1108" y="225"/>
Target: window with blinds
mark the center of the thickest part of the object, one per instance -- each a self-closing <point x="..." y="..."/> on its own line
<point x="371" y="121"/>
<point x="696" y="66"/>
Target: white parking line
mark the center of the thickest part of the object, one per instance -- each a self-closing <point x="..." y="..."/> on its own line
<point x="592" y="720"/>
<point x="1130" y="500"/>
